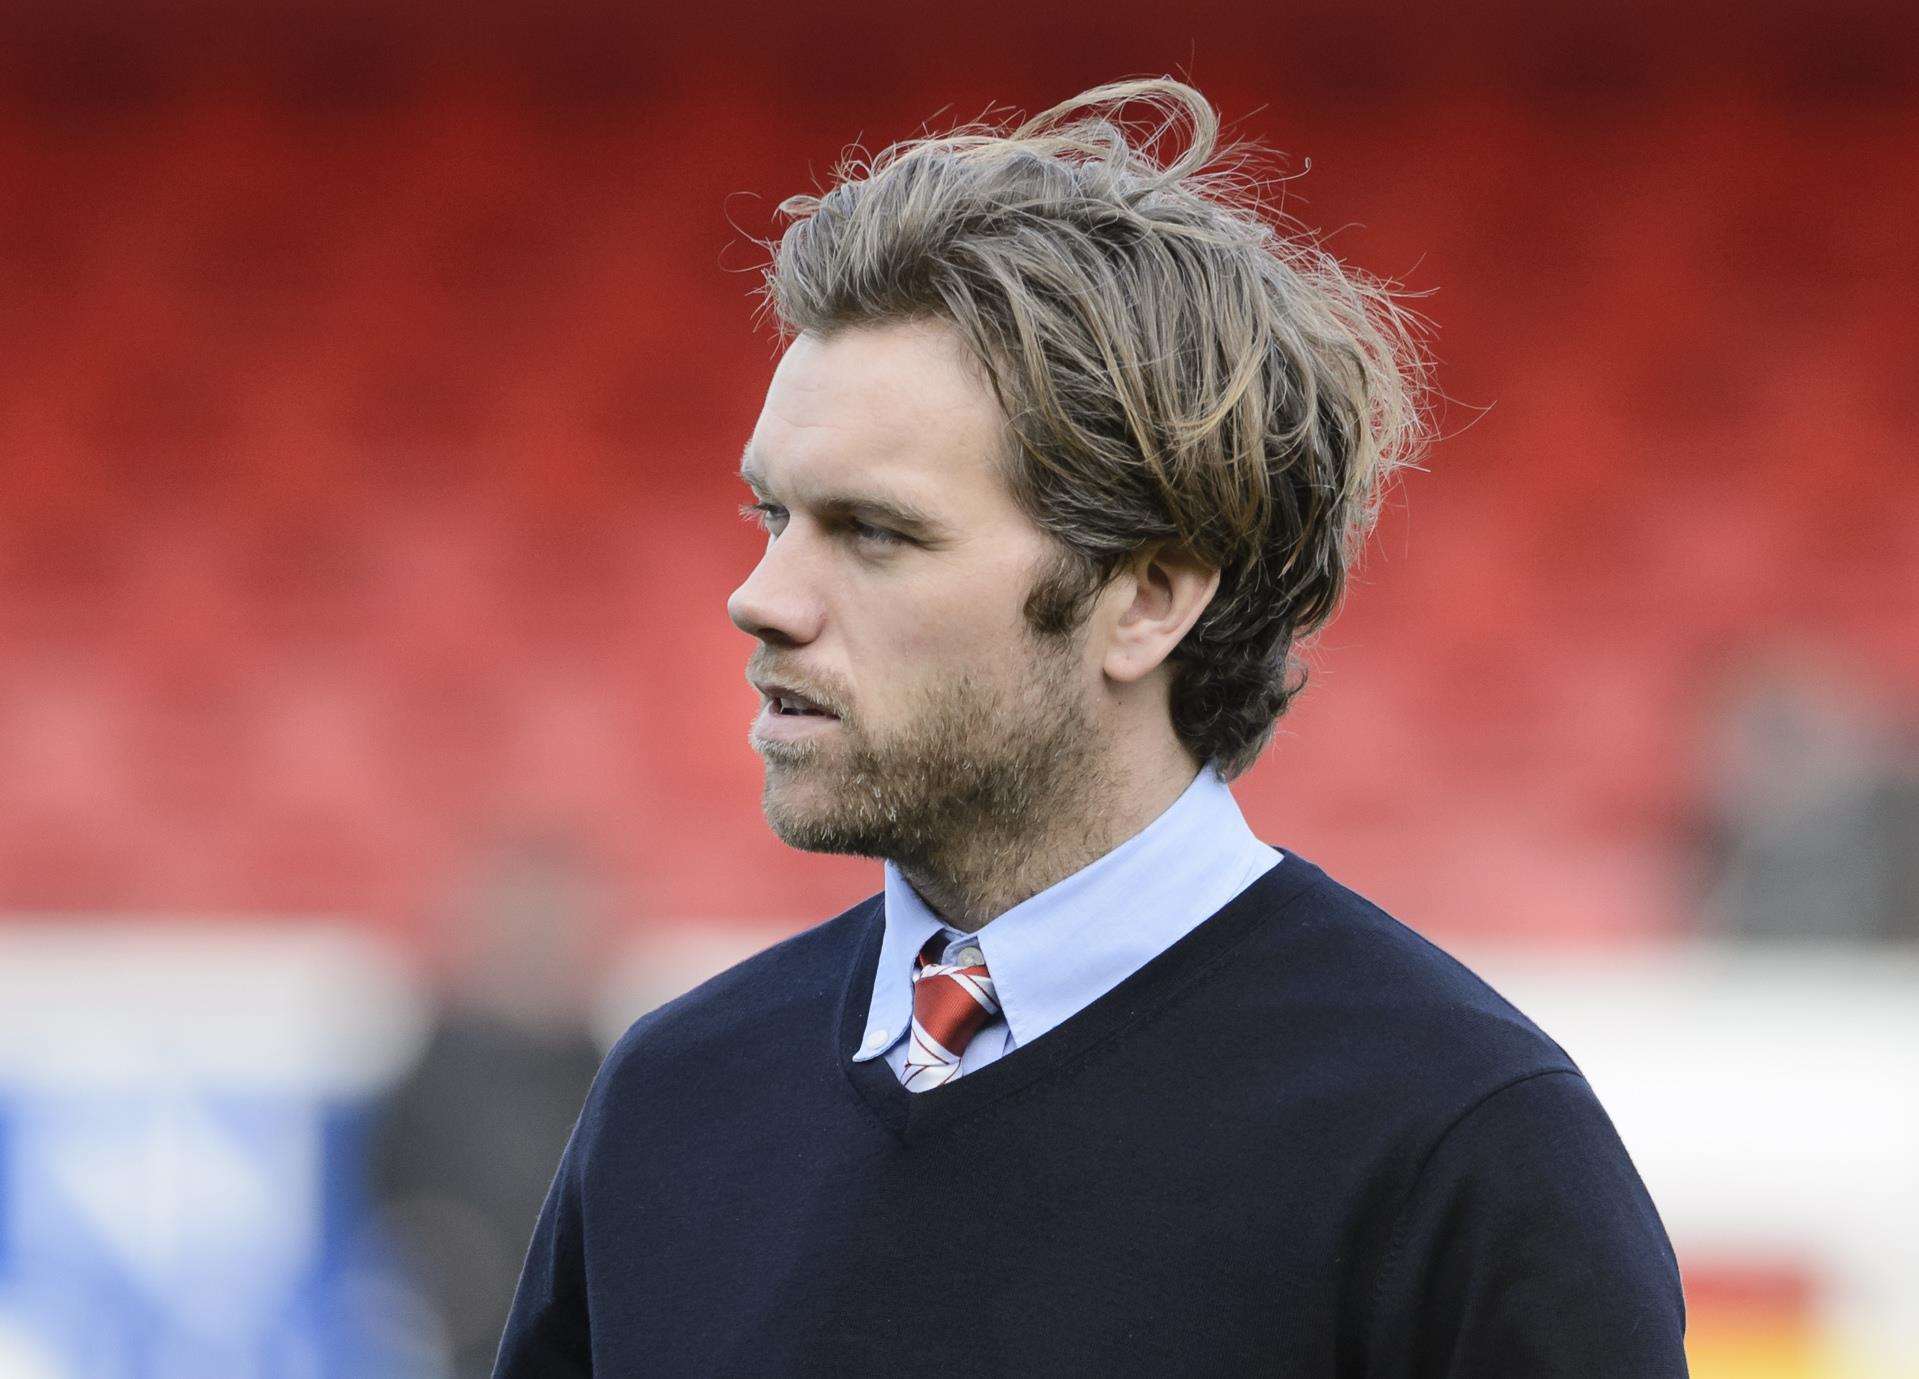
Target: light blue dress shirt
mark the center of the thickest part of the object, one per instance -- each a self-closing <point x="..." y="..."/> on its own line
<point x="1055" y="953"/>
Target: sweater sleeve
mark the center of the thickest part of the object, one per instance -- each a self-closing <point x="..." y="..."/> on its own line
<point x="547" y="1334"/>
<point x="1528" y="1246"/>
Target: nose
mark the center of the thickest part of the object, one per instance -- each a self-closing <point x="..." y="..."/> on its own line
<point x="776" y="603"/>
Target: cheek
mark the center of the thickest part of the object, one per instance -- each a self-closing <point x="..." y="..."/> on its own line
<point x="886" y="630"/>
<point x="903" y="649"/>
<point x="961" y="633"/>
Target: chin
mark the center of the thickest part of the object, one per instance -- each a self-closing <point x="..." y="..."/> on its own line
<point x="823" y="831"/>
<point x="803" y="811"/>
<point x="824" y="812"/>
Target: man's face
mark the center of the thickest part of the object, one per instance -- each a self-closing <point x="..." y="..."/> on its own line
<point x="890" y="595"/>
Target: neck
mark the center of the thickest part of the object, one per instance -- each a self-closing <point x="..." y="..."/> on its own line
<point x="993" y="866"/>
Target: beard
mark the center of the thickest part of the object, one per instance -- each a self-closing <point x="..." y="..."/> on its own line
<point x="978" y="764"/>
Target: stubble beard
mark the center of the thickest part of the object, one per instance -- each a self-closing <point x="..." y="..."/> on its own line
<point x="979" y="780"/>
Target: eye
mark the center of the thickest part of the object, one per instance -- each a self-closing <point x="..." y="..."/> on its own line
<point x="771" y="519"/>
<point x="765" y="516"/>
<point x="866" y="531"/>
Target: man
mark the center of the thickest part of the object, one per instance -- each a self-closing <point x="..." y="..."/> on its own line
<point x="1066" y="452"/>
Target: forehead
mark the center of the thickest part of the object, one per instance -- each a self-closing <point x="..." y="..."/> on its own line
<point x="899" y="406"/>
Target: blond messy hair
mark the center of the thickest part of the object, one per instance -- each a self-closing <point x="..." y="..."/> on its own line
<point x="1175" y="364"/>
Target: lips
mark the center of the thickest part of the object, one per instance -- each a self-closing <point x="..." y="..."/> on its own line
<point x="788" y="701"/>
<point x="776" y="731"/>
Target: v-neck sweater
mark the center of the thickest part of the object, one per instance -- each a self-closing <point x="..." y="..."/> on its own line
<point x="1301" y="1140"/>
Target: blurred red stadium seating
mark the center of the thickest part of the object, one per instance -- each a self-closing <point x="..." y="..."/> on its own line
<point x="370" y="420"/>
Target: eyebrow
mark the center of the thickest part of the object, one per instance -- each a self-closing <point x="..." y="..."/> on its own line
<point x="896" y="511"/>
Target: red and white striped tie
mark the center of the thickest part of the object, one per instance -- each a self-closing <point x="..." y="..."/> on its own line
<point x="951" y="1003"/>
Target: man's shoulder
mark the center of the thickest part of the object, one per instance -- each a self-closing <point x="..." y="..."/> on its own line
<point x="1389" y="996"/>
<point x="799" y="979"/>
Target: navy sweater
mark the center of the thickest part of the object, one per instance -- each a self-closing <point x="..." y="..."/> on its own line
<point x="1302" y="1141"/>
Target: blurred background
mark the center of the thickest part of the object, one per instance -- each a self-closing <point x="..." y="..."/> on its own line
<point x="373" y="739"/>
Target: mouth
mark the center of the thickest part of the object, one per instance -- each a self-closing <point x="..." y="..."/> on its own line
<point x="788" y="718"/>
<point x="788" y="705"/>
<point x="789" y="721"/>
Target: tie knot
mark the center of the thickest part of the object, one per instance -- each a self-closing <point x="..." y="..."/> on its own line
<point x="932" y="954"/>
<point x="951" y="1003"/>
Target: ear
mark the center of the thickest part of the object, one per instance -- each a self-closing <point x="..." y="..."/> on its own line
<point x="1159" y="595"/>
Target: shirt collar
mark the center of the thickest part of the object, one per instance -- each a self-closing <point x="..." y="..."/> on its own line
<point x="1056" y="952"/>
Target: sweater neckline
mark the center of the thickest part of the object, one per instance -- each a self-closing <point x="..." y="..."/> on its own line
<point x="911" y="1115"/>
